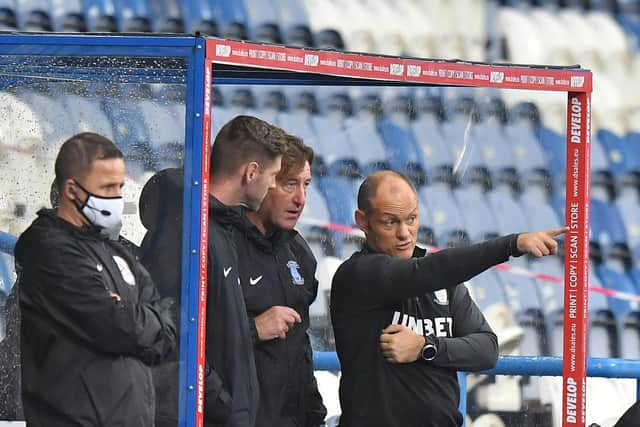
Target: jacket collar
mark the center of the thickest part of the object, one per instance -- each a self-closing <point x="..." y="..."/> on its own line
<point x="418" y="252"/>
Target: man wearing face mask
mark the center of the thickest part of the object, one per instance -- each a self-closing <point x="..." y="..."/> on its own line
<point x="92" y="320"/>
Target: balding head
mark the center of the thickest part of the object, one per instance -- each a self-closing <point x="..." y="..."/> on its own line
<point x="392" y="182"/>
<point x="388" y="213"/>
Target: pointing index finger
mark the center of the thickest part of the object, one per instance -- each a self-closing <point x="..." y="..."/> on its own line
<point x="557" y="231"/>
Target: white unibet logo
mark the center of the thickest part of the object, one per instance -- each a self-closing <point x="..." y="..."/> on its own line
<point x="311" y="60"/>
<point x="223" y="50"/>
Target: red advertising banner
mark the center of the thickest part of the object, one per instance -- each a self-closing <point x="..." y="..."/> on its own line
<point x="576" y="284"/>
<point x="407" y="70"/>
<point x="204" y="238"/>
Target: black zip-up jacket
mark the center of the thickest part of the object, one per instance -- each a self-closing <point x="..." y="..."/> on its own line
<point x="280" y="270"/>
<point x="85" y="353"/>
<point x="231" y="388"/>
<point x="372" y="290"/>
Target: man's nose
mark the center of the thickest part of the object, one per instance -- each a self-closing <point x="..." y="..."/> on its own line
<point x="300" y="196"/>
<point x="402" y="231"/>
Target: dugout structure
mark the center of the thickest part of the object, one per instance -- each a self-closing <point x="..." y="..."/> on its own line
<point x="195" y="64"/>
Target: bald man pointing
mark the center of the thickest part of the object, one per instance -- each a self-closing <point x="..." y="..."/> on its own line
<point x="404" y="322"/>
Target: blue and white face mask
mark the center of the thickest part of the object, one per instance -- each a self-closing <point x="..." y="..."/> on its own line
<point x="103" y="212"/>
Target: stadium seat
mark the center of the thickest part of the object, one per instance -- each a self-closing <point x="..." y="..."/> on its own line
<point x="521" y="132"/>
<point x="68" y="16"/>
<point x="479" y="220"/>
<point x="509" y="215"/>
<point x="613" y="145"/>
<point x="436" y="156"/>
<point x="200" y="16"/>
<point x="469" y="164"/>
<point x="130" y="133"/>
<point x="8" y="15"/>
<point x="401" y="146"/>
<point x="263" y="20"/>
<point x="365" y="139"/>
<point x="134" y="16"/>
<point x="166" y="16"/>
<point x="100" y="16"/>
<point x="334" y="146"/>
<point x="340" y="199"/>
<point x="539" y="213"/>
<point x="34" y="15"/>
<point x="446" y="217"/>
<point x="494" y="147"/>
<point x="166" y="132"/>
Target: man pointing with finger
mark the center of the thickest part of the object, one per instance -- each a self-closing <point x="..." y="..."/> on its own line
<point x="404" y="323"/>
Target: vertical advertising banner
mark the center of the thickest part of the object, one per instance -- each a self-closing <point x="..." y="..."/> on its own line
<point x="576" y="266"/>
<point x="204" y="229"/>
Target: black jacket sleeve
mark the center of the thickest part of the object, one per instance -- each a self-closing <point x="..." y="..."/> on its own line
<point x="474" y="346"/>
<point x="383" y="279"/>
<point x="75" y="295"/>
<point x="165" y="344"/>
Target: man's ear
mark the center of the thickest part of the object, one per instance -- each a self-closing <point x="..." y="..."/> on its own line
<point x="70" y="189"/>
<point x="251" y="171"/>
<point x="361" y="219"/>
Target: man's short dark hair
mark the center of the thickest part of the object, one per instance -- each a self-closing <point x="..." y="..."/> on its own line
<point x="294" y="158"/>
<point x="245" y="139"/>
<point x="370" y="185"/>
<point x="77" y="154"/>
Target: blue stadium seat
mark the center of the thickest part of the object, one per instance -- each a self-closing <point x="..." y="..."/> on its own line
<point x="479" y="220"/>
<point x="134" y="16"/>
<point x="487" y="290"/>
<point x="509" y="215"/>
<point x="494" y="147"/>
<point x="524" y="300"/>
<point x="166" y="132"/>
<point x="315" y="214"/>
<point x="635" y="276"/>
<point x="263" y="20"/>
<point x="34" y="15"/>
<point x="469" y="162"/>
<point x="341" y="202"/>
<point x="8" y="15"/>
<point x="436" y="156"/>
<point x="7" y="276"/>
<point x="130" y="133"/>
<point x="100" y="16"/>
<point x="200" y="15"/>
<point x="219" y="116"/>
<point x="446" y="218"/>
<point x="628" y="208"/>
<point x="366" y="141"/>
<point x="402" y="148"/>
<point x="521" y="133"/>
<point x="613" y="145"/>
<point x="68" y="16"/>
<point x="539" y="213"/>
<point x="166" y="16"/>
<point x="615" y="280"/>
<point x="632" y="151"/>
<point x="294" y="23"/>
<point x="335" y="147"/>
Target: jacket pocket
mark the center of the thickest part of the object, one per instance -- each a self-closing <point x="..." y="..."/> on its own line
<point x="217" y="400"/>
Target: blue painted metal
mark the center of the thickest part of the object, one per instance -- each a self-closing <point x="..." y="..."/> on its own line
<point x="191" y="233"/>
<point x="7" y="242"/>
<point x="520" y="365"/>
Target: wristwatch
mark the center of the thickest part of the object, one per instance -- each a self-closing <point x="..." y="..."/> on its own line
<point x="430" y="349"/>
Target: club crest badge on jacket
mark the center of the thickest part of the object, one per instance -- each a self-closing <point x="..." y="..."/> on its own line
<point x="296" y="277"/>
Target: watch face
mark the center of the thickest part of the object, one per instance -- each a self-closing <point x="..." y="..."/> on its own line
<point x="429" y="352"/>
